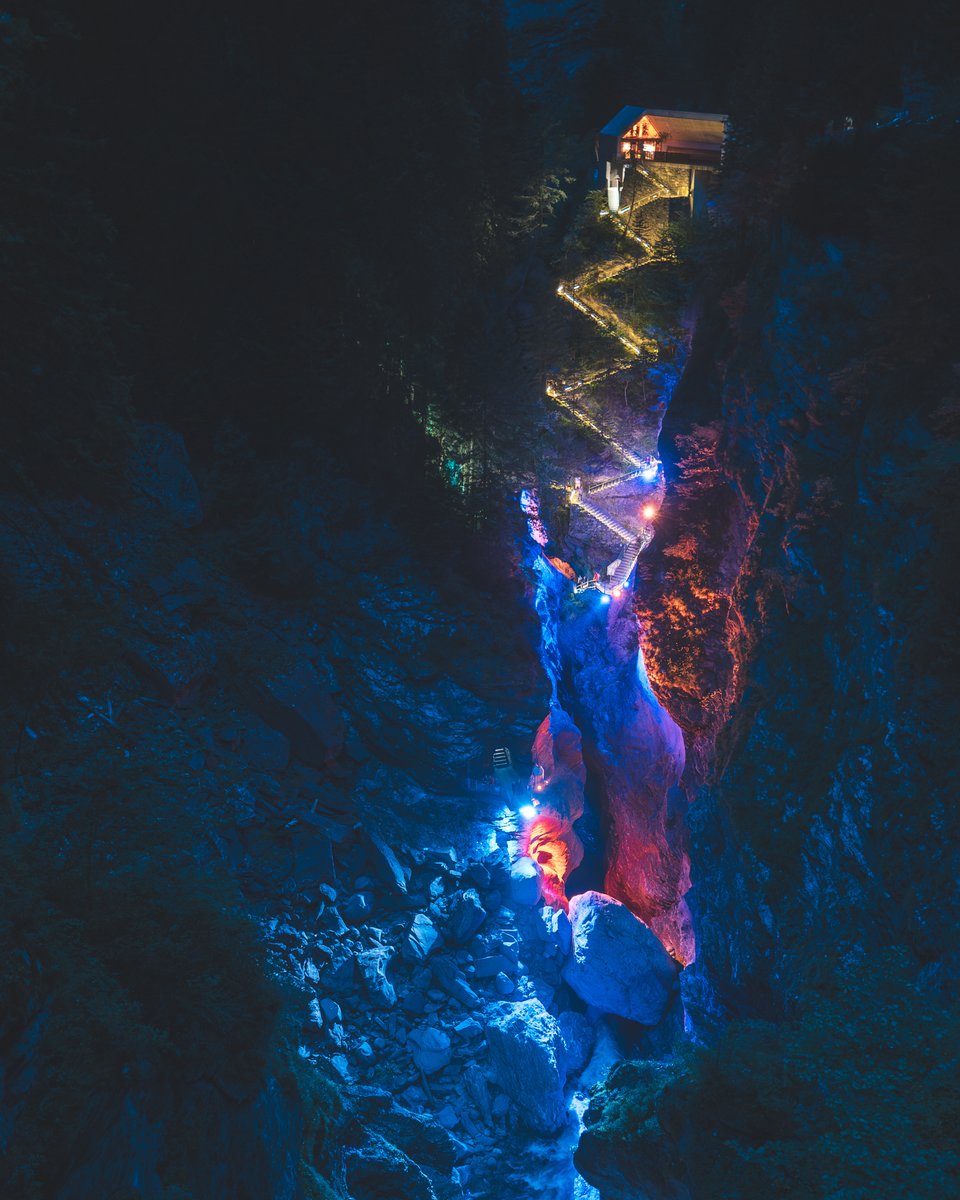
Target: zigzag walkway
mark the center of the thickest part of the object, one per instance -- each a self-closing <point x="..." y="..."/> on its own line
<point x="629" y="560"/>
<point x="635" y="542"/>
<point x="625" y="535"/>
<point x="596" y="488"/>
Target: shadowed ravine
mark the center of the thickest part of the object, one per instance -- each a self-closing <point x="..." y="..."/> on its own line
<point x="608" y="758"/>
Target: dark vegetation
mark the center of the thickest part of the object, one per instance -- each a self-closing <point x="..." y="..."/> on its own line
<point x="215" y="216"/>
<point x="856" y="1096"/>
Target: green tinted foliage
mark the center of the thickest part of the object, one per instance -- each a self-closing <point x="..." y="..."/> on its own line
<point x="857" y="1098"/>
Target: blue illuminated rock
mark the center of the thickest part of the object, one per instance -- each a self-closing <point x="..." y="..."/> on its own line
<point x="357" y="908"/>
<point x="385" y="865"/>
<point x="447" y="977"/>
<point x="466" y="917"/>
<point x="491" y="966"/>
<point x="421" y="938"/>
<point x="373" y="964"/>
<point x="578" y="1039"/>
<point x="430" y="1048"/>
<point x="377" y="1168"/>
<point x="528" y="1061"/>
<point x="616" y="963"/>
<point x="526" y="882"/>
<point x="557" y="929"/>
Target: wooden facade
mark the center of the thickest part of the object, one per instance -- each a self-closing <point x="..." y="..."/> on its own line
<point x="663" y="135"/>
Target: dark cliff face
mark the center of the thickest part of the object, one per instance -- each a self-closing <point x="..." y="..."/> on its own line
<point x="798" y="624"/>
<point x="202" y="712"/>
<point x="819" y="696"/>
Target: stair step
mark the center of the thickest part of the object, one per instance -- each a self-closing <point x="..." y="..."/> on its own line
<point x="626" y="535"/>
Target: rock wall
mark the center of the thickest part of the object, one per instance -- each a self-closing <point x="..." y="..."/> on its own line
<point x="796" y="624"/>
<point x="270" y="698"/>
<point x="795" y="620"/>
<point x="634" y="749"/>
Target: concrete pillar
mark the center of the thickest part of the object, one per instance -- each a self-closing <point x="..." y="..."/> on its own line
<point x="613" y="187"/>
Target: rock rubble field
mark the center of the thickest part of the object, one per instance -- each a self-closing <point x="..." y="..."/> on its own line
<point x="458" y="1009"/>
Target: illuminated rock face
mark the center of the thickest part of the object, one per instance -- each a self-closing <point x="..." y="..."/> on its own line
<point x="551" y="839"/>
<point x="616" y="963"/>
<point x="637" y="751"/>
<point x="639" y="755"/>
<point x="529" y="1063"/>
<point x="647" y="861"/>
<point x="558" y="749"/>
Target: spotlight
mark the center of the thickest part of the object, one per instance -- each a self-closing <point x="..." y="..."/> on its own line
<point x="527" y="811"/>
<point x="649" y="512"/>
<point x="604" y="599"/>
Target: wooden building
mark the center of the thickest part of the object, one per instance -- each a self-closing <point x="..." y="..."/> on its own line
<point x="659" y="135"/>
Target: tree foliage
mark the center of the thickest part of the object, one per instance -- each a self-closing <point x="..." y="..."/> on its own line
<point x="855" y="1098"/>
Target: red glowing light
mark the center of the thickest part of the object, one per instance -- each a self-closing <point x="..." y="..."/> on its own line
<point x="649" y="512"/>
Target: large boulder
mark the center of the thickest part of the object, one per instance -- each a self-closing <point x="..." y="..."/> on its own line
<point x="447" y="975"/>
<point x="377" y="1170"/>
<point x="430" y="1049"/>
<point x="616" y="963"/>
<point x="526" y="882"/>
<point x="466" y="917"/>
<point x="425" y="1141"/>
<point x="384" y="864"/>
<point x="527" y="1057"/>
<point x="421" y="938"/>
<point x="578" y="1039"/>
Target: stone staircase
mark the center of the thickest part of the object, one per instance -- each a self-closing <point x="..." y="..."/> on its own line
<point x="622" y="532"/>
<point x="629" y="559"/>
<point x="612" y="483"/>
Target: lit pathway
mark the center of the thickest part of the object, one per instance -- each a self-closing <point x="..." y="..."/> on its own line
<point x="635" y="541"/>
<point x="589" y="423"/>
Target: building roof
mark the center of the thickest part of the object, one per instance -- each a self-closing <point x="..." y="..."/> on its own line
<point x="681" y="128"/>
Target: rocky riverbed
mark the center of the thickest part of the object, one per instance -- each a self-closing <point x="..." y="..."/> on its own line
<point x="332" y="752"/>
<point x="462" y="1014"/>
